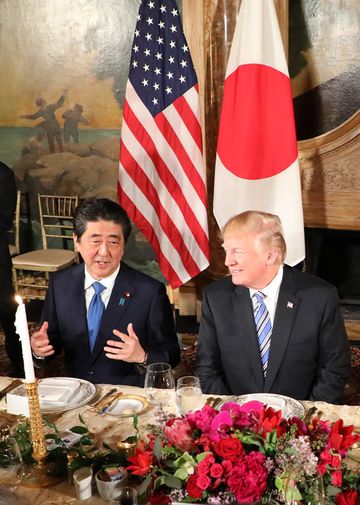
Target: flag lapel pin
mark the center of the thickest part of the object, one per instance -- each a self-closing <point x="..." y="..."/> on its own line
<point x="126" y="296"/>
<point x="290" y="305"/>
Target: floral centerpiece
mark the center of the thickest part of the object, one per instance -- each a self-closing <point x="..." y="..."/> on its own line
<point x="247" y="454"/>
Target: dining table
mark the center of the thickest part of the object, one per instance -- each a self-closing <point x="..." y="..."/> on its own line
<point x="111" y="429"/>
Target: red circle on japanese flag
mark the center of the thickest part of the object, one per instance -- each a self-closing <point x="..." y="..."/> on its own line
<point x="257" y="136"/>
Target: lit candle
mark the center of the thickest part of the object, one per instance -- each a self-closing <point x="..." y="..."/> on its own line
<point x="22" y="330"/>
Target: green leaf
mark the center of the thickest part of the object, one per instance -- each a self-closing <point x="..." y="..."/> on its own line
<point x="81" y="430"/>
<point x="136" y="422"/>
<point x="173" y="482"/>
<point x="181" y="473"/>
<point x="157" y="448"/>
<point x="81" y="419"/>
<point x="141" y="489"/>
<point x="201" y="456"/>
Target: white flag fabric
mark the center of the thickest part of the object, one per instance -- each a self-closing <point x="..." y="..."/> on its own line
<point x="257" y="161"/>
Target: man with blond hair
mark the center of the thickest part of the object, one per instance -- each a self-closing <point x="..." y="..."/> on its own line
<point x="270" y="328"/>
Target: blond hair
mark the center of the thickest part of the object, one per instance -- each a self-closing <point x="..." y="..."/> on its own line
<point x="267" y="227"/>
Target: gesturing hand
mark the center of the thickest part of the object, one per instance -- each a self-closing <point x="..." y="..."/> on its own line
<point x="40" y="343"/>
<point x="128" y="348"/>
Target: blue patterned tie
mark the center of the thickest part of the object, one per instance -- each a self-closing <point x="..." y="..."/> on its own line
<point x="95" y="312"/>
<point x="263" y="327"/>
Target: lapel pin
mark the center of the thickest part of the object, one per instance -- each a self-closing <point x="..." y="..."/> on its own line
<point x="127" y="295"/>
<point x="290" y="305"/>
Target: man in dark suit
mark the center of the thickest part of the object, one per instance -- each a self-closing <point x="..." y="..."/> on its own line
<point x="136" y="326"/>
<point x="269" y="328"/>
<point x="7" y="300"/>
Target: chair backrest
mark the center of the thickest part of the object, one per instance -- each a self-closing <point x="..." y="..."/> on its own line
<point x="56" y="216"/>
<point x="14" y="232"/>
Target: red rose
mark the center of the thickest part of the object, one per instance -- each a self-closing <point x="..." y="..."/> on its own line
<point x="141" y="462"/>
<point x="192" y="488"/>
<point x="203" y="481"/>
<point x="227" y="465"/>
<point x="229" y="448"/>
<point x="336" y="478"/>
<point x="159" y="499"/>
<point x="249" y="478"/>
<point x="336" y="461"/>
<point x="326" y="457"/>
<point x="321" y="468"/>
<point x="348" y="497"/>
<point x="216" y="470"/>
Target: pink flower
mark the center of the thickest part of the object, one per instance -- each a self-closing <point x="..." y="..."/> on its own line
<point x="248" y="478"/>
<point x="216" y="471"/>
<point x="204" y="465"/>
<point x="336" y="461"/>
<point x="220" y="426"/>
<point x="178" y="432"/>
<point x="203" y="481"/>
<point x="227" y="466"/>
<point x="336" y="478"/>
<point x="201" y="419"/>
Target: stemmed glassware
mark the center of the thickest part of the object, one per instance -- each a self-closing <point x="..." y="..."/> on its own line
<point x="160" y="387"/>
<point x="188" y="395"/>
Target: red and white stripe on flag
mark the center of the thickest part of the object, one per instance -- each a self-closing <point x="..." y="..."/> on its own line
<point x="161" y="172"/>
<point x="257" y="162"/>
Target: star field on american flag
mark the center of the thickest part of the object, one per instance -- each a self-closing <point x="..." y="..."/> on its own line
<point x="161" y="68"/>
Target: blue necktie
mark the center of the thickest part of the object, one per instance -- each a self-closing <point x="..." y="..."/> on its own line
<point x="263" y="327"/>
<point x="95" y="312"/>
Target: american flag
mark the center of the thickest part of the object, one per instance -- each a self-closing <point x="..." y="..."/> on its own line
<point x="161" y="173"/>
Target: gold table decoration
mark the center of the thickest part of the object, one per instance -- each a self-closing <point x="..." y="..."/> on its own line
<point x="38" y="475"/>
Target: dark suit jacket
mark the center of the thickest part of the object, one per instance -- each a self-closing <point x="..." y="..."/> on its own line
<point x="135" y="298"/>
<point x="309" y="353"/>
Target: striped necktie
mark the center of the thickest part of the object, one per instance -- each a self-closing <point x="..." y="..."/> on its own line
<point x="263" y="327"/>
<point x="95" y="312"/>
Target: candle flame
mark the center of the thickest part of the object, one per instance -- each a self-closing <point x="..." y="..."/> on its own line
<point x="18" y="299"/>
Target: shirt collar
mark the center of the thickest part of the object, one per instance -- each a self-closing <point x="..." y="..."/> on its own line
<point x="272" y="289"/>
<point x="108" y="282"/>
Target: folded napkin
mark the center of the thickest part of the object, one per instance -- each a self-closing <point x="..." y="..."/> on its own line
<point x="55" y="391"/>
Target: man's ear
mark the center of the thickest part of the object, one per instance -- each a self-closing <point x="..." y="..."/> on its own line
<point x="76" y="242"/>
<point x="272" y="256"/>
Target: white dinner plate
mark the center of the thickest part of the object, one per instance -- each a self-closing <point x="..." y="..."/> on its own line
<point x="127" y="405"/>
<point x="77" y="392"/>
<point x="288" y="406"/>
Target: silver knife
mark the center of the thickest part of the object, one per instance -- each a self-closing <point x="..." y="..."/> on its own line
<point x="10" y="387"/>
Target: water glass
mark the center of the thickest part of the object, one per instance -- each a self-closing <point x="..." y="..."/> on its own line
<point x="124" y="496"/>
<point x="160" y="387"/>
<point x="188" y="395"/>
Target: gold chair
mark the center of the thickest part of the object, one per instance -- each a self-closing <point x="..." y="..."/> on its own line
<point x="14" y="232"/>
<point x="31" y="270"/>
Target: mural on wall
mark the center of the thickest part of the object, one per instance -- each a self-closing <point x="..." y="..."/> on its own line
<point x="64" y="67"/>
<point x="324" y="43"/>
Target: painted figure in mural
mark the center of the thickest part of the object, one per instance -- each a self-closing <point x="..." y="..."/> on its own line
<point x="50" y="124"/>
<point x="7" y="300"/>
<point x="33" y="144"/>
<point x="72" y="117"/>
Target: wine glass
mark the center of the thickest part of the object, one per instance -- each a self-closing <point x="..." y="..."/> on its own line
<point x="160" y="387"/>
<point x="188" y="395"/>
<point x="124" y="496"/>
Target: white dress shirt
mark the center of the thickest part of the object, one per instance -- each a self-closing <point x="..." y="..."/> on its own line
<point x="271" y="292"/>
<point x="108" y="282"/>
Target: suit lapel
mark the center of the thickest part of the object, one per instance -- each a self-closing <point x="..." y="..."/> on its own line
<point x="286" y="309"/>
<point x="249" y="346"/>
<point x="122" y="295"/>
<point x="76" y="301"/>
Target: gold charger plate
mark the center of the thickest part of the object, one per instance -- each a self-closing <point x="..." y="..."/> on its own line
<point x="127" y="405"/>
